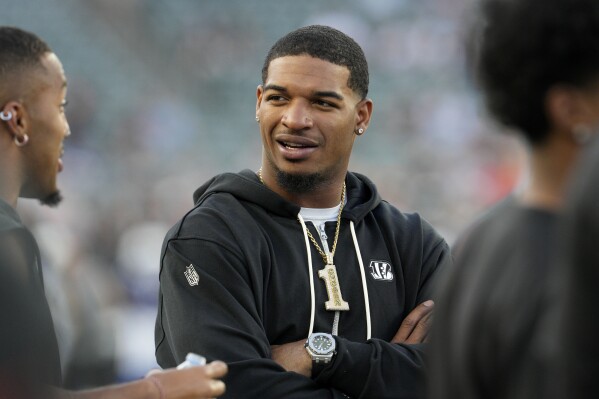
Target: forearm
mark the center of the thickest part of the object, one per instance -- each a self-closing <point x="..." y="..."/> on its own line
<point x="262" y="378"/>
<point x="140" y="389"/>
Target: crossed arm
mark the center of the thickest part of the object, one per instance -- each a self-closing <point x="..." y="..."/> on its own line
<point x="413" y="330"/>
<point x="220" y="318"/>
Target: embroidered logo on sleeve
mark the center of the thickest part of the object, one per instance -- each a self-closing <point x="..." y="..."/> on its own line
<point x="192" y="276"/>
<point x="380" y="270"/>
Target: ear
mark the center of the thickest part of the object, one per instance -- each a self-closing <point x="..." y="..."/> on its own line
<point x="19" y="121"/>
<point x="568" y="107"/>
<point x="363" y="113"/>
<point x="259" y="93"/>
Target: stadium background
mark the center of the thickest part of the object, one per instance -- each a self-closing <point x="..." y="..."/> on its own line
<point x="161" y="97"/>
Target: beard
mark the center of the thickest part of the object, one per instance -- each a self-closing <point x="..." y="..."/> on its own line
<point x="52" y="200"/>
<point x="301" y="183"/>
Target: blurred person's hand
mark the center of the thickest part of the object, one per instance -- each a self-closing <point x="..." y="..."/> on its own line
<point x="194" y="382"/>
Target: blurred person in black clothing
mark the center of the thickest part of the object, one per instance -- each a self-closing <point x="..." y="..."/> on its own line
<point x="33" y="127"/>
<point x="578" y="347"/>
<point x="22" y="330"/>
<point x="537" y="63"/>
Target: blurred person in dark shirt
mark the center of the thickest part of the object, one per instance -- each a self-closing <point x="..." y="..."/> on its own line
<point x="537" y="63"/>
<point x="33" y="127"/>
<point x="578" y="329"/>
<point x="22" y="328"/>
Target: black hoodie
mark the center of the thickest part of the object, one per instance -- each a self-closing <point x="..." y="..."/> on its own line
<point x="250" y="253"/>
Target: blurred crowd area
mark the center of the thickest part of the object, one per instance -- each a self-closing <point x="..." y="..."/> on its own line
<point x="162" y="97"/>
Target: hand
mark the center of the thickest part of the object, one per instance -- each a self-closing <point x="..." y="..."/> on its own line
<point x="193" y="382"/>
<point x="293" y="357"/>
<point x="414" y="328"/>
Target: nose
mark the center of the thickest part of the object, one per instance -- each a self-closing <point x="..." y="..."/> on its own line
<point x="67" y="131"/>
<point x="297" y="116"/>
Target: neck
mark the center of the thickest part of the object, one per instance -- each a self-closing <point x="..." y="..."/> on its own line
<point x="550" y="169"/>
<point x="9" y="199"/>
<point x="10" y="179"/>
<point x="8" y="192"/>
<point x="326" y="197"/>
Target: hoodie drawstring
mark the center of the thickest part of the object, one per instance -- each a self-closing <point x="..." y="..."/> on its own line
<point x="311" y="274"/>
<point x="363" y="274"/>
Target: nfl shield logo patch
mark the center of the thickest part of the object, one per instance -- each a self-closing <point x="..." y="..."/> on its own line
<point x="381" y="270"/>
<point x="192" y="276"/>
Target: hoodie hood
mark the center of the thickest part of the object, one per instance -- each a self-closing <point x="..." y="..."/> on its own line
<point x="362" y="195"/>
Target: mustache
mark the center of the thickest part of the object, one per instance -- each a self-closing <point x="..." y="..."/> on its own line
<point x="293" y="132"/>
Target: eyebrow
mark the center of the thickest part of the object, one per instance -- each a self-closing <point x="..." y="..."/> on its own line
<point x="275" y="87"/>
<point x="282" y="89"/>
<point x="332" y="94"/>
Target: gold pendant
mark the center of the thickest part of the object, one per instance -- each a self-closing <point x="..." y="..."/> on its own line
<point x="335" y="302"/>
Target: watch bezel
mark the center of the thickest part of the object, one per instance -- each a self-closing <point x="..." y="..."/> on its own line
<point x="319" y="355"/>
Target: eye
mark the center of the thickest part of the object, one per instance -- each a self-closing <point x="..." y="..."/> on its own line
<point x="275" y="99"/>
<point x="324" y="104"/>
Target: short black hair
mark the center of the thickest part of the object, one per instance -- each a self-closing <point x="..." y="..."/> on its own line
<point x="327" y="44"/>
<point x="519" y="49"/>
<point x="19" y="49"/>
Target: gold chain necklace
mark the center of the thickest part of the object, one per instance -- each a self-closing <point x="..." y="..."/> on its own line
<point x="329" y="273"/>
<point x="324" y="256"/>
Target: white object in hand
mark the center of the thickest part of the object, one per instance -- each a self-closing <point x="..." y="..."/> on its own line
<point x="191" y="360"/>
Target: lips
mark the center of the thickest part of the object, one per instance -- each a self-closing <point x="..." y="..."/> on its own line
<point x="294" y="145"/>
<point x="296" y="148"/>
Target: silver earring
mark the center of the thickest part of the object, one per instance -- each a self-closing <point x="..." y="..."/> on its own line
<point x="582" y="134"/>
<point x="20" y="142"/>
<point x="360" y="131"/>
<point x="257" y="118"/>
<point x="6" y="116"/>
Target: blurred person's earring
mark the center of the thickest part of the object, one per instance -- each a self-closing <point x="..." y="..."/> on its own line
<point x="20" y="142"/>
<point x="257" y="118"/>
<point x="582" y="134"/>
<point x="6" y="116"/>
<point x="360" y="131"/>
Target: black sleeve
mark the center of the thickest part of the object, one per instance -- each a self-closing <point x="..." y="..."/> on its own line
<point x="376" y="369"/>
<point x="220" y="318"/>
<point x="379" y="369"/>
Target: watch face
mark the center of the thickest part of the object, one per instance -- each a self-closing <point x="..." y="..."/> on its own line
<point x="322" y="343"/>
